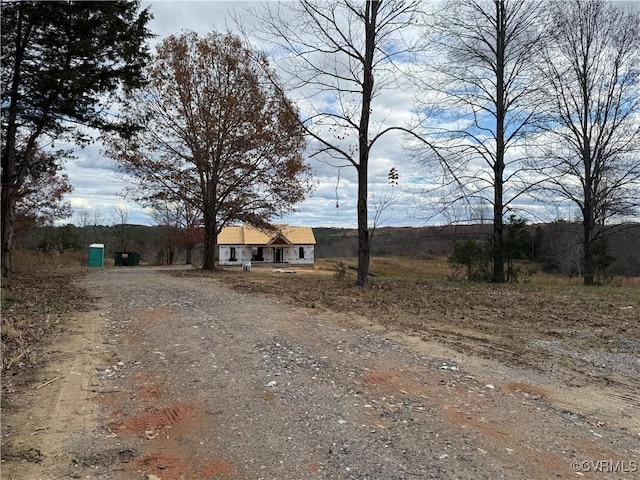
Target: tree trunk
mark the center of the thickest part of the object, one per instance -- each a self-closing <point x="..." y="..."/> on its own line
<point x="170" y="254"/>
<point x="189" y="255"/>
<point x="209" y="261"/>
<point x="9" y="169"/>
<point x="498" y="168"/>
<point x="498" y="243"/>
<point x="588" y="273"/>
<point x="364" y="240"/>
<point x="8" y="220"/>
<point x="587" y="161"/>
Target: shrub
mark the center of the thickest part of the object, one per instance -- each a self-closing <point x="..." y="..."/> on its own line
<point x="341" y="269"/>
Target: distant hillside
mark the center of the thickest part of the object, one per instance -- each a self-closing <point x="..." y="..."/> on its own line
<point x="555" y="245"/>
<point x="412" y="241"/>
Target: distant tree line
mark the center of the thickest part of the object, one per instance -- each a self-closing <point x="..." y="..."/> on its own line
<point x="157" y="245"/>
<point x="553" y="247"/>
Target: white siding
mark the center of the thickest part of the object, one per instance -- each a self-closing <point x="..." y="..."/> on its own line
<point x="243" y="254"/>
<point x="290" y="254"/>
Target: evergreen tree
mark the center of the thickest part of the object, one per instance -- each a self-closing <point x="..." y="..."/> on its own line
<point x="60" y="63"/>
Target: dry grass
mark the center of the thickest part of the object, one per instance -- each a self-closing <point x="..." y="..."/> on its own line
<point x="29" y="261"/>
<point x="499" y="321"/>
<point x="40" y="292"/>
<point x="394" y="268"/>
<point x="438" y="269"/>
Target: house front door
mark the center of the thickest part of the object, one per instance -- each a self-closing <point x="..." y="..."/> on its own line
<point x="277" y="255"/>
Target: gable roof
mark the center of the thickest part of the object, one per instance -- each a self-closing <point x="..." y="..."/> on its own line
<point x="248" y="235"/>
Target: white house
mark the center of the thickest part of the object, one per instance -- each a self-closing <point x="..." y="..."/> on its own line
<point x="238" y="245"/>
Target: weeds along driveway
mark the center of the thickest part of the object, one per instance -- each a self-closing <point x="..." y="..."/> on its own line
<point x="197" y="381"/>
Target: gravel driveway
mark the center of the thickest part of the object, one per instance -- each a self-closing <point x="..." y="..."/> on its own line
<point x="197" y="381"/>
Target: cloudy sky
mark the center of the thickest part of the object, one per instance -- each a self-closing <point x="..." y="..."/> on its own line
<point x="98" y="184"/>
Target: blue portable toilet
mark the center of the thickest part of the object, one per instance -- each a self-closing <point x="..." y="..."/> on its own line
<point x="96" y="255"/>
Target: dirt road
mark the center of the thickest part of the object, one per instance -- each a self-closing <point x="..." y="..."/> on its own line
<point x="183" y="378"/>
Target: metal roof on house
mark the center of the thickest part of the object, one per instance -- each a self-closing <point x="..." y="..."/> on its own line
<point x="248" y="235"/>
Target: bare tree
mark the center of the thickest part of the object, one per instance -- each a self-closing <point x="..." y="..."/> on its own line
<point x="217" y="136"/>
<point x="183" y="223"/>
<point x="166" y="215"/>
<point x="89" y="217"/>
<point x="481" y="212"/>
<point x="384" y="200"/>
<point x="338" y="56"/>
<point x="120" y="218"/>
<point x="482" y="104"/>
<point x="592" y="140"/>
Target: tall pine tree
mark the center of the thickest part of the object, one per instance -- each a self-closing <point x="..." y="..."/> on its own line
<point x="60" y="63"/>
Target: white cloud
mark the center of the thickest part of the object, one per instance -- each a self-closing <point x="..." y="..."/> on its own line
<point x="98" y="183"/>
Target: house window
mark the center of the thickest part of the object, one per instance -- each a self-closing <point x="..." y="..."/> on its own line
<point x="232" y="254"/>
<point x="257" y="254"/>
<point x="300" y="253"/>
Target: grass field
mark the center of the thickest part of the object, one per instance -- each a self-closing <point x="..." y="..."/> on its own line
<point x="439" y="269"/>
